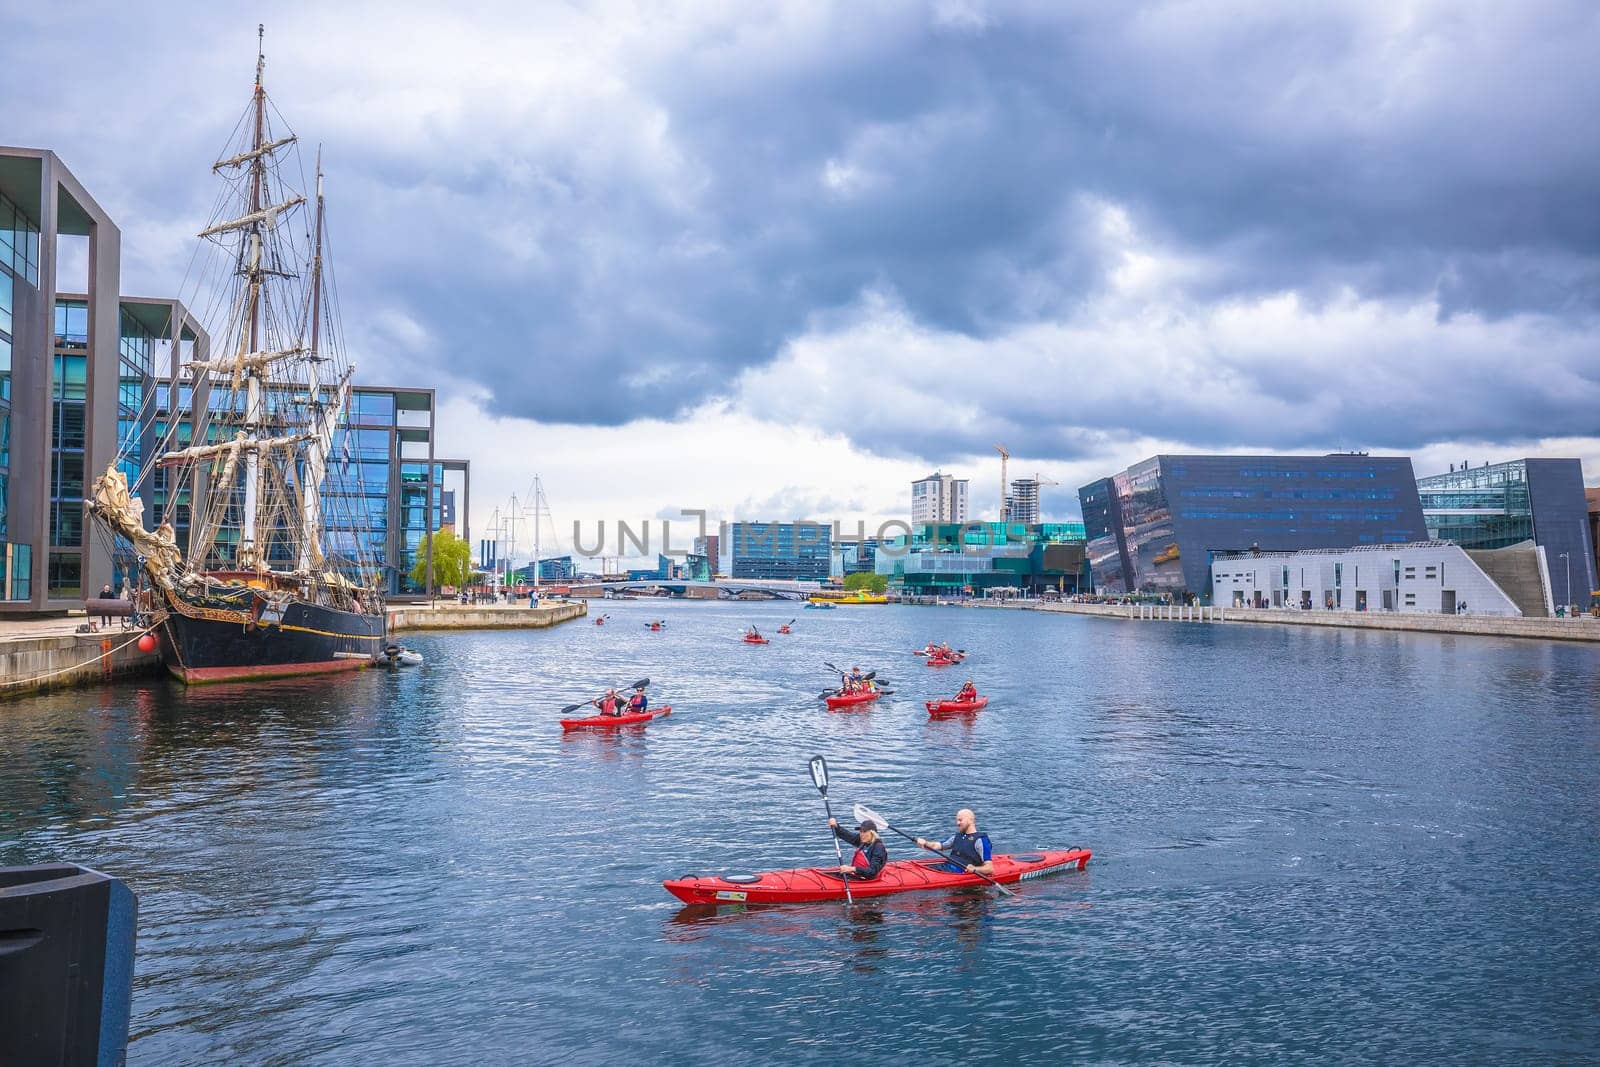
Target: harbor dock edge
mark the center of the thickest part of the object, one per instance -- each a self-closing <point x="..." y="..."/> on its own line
<point x="1574" y="629"/>
<point x="38" y="655"/>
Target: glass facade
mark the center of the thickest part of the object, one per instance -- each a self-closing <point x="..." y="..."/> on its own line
<point x="1500" y="504"/>
<point x="797" y="551"/>
<point x="419" y="516"/>
<point x="1479" y="507"/>
<point x="941" y="559"/>
<point x="136" y="422"/>
<point x="19" y="266"/>
<point x="69" y="377"/>
<point x="1154" y="528"/>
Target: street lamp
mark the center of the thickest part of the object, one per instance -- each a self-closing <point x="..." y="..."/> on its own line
<point x="1568" y="558"/>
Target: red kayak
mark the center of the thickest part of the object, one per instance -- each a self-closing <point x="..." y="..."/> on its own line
<point x="955" y="707"/>
<point x="654" y="625"/>
<point x="608" y="722"/>
<point x="756" y="641"/>
<point x="944" y="661"/>
<point x="783" y="629"/>
<point x="599" y="622"/>
<point x="810" y="883"/>
<point x="845" y="700"/>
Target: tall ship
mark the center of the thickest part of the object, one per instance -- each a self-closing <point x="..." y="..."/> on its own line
<point x="256" y="591"/>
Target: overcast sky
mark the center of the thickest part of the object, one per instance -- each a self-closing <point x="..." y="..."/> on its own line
<point x="774" y="260"/>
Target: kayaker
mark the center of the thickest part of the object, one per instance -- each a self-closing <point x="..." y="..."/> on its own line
<point x="753" y="633"/>
<point x="638" y="704"/>
<point x="608" y="703"/>
<point x="870" y="855"/>
<point x="969" y="849"/>
<point x="857" y="679"/>
<point x="968" y="692"/>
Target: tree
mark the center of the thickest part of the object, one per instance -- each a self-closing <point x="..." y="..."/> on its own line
<point x="866" y="580"/>
<point x="452" y="561"/>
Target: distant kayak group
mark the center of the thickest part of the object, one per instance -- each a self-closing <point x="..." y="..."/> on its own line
<point x="966" y="858"/>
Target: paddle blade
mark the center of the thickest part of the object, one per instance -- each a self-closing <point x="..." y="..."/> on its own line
<point x="866" y="814"/>
<point x="570" y="708"/>
<point x="819" y="774"/>
<point x="640" y="684"/>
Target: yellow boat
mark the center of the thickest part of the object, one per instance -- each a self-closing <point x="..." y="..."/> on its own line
<point x="855" y="597"/>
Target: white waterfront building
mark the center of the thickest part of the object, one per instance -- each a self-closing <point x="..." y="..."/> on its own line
<point x="1427" y="577"/>
<point x="938" y="498"/>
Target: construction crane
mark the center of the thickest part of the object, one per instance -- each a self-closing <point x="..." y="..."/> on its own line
<point x="1005" y="503"/>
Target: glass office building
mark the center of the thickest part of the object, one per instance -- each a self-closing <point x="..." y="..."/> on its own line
<point x="796" y="551"/>
<point x="19" y="266"/>
<point x="1154" y="528"/>
<point x="969" y="559"/>
<point x="385" y="487"/>
<point x="1502" y="504"/>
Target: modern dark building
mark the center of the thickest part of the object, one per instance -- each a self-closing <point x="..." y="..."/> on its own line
<point x="1502" y="504"/>
<point x="1593" y="497"/>
<point x="796" y="551"/>
<point x="1155" y="528"/>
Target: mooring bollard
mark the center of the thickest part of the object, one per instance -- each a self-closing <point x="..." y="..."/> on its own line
<point x="66" y="965"/>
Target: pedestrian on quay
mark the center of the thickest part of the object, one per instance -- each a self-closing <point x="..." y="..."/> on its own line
<point x="105" y="614"/>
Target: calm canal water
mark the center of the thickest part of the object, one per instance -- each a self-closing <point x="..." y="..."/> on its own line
<point x="1308" y="843"/>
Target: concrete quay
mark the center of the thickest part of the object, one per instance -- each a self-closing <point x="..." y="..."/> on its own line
<point x="1582" y="628"/>
<point x="449" y="615"/>
<point x="41" y="654"/>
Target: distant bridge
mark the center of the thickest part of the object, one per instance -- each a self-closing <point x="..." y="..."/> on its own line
<point x="773" y="589"/>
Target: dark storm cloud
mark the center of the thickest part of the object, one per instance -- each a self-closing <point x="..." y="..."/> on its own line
<point x="632" y="243"/>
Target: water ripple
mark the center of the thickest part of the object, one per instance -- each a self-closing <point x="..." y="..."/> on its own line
<point x="1309" y="845"/>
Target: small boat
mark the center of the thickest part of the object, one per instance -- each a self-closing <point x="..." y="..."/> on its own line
<point x="750" y="639"/>
<point x="655" y="625"/>
<point x="398" y="656"/>
<point x="610" y="722"/>
<point x="804" y="884"/>
<point x="783" y="629"/>
<point x="955" y="707"/>
<point x="945" y="661"/>
<point x="845" y="700"/>
<point x="819" y="605"/>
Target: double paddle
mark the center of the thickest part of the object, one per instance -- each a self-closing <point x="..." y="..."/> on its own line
<point x="869" y="676"/>
<point x="570" y="708"/>
<point x="819" y="776"/>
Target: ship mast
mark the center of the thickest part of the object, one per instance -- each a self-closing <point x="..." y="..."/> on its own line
<point x="249" y="555"/>
<point x="324" y="416"/>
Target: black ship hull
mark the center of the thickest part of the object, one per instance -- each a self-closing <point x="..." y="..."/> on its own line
<point x="205" y="643"/>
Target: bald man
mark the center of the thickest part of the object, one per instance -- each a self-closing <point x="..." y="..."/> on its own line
<point x="969" y="849"/>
